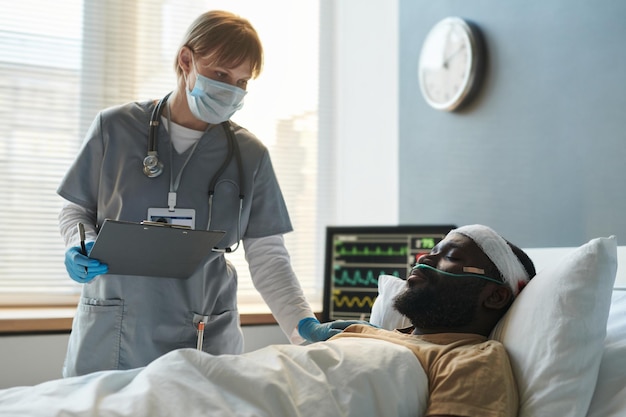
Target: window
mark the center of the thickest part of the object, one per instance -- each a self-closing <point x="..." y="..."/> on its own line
<point x="61" y="62"/>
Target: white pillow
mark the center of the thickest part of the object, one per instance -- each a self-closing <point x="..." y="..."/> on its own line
<point x="554" y="332"/>
<point x="609" y="398"/>
<point x="383" y="314"/>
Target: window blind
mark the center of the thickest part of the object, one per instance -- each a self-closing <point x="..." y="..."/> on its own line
<point x="61" y="62"/>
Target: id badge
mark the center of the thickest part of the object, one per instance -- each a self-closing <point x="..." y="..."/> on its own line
<point x="178" y="217"/>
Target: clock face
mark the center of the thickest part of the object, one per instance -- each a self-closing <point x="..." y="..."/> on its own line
<point x="448" y="64"/>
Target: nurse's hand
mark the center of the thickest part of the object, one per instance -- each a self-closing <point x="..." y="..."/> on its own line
<point x="81" y="268"/>
<point x="314" y="331"/>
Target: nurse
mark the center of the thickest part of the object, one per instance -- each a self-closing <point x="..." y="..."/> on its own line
<point x="126" y="322"/>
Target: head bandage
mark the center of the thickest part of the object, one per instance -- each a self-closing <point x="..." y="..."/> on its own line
<point x="499" y="252"/>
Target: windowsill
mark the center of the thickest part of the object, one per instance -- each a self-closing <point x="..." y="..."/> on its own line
<point x="59" y="319"/>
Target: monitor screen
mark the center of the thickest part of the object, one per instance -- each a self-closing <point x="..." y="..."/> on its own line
<point x="357" y="255"/>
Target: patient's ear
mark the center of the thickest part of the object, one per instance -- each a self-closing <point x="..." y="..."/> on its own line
<point x="497" y="297"/>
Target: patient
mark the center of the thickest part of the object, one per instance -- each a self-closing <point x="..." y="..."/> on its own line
<point x="454" y="297"/>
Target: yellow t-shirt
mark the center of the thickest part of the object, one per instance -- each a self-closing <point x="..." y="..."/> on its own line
<point x="468" y="375"/>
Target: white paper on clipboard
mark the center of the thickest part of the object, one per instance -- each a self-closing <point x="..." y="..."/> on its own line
<point x="151" y="250"/>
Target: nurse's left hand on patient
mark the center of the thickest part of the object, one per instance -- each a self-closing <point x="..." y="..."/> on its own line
<point x="314" y="331"/>
<point x="82" y="268"/>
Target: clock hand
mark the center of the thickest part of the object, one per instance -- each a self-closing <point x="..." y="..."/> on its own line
<point x="452" y="55"/>
<point x="444" y="61"/>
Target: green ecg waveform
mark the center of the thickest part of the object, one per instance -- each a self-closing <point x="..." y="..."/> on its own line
<point x="366" y="251"/>
<point x="357" y="278"/>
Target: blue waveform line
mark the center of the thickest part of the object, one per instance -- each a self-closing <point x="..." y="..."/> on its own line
<point x="358" y="280"/>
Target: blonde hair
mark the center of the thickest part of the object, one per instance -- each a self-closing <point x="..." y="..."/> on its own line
<point x="224" y="37"/>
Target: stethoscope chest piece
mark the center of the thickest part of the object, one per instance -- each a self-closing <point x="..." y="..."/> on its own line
<point x="152" y="167"/>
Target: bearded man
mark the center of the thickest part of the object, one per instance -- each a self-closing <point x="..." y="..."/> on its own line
<point x="454" y="297"/>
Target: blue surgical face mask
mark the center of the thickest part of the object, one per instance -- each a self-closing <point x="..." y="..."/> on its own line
<point x="453" y="275"/>
<point x="213" y="101"/>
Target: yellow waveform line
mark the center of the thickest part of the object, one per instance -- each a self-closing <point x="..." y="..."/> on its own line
<point x="344" y="300"/>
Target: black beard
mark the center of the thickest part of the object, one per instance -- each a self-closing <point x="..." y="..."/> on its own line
<point x="451" y="305"/>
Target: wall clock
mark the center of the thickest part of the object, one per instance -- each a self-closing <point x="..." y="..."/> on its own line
<point x="451" y="64"/>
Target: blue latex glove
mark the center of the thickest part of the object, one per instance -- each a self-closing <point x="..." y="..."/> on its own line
<point x="81" y="268"/>
<point x="313" y="331"/>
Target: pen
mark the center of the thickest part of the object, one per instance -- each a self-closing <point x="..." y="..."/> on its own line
<point x="200" y="335"/>
<point x="81" y="233"/>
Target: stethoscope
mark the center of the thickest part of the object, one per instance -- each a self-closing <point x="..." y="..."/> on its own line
<point x="153" y="167"/>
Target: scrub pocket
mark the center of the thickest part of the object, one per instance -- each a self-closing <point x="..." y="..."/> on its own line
<point x="222" y="334"/>
<point x="95" y="340"/>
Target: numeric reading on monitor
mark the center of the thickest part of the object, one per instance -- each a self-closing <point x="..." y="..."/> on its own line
<point x="358" y="258"/>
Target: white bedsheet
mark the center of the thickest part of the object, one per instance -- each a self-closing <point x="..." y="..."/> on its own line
<point x="346" y="377"/>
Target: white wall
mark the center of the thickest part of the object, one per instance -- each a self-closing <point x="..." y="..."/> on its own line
<point x="30" y="359"/>
<point x="365" y="147"/>
<point x="366" y="112"/>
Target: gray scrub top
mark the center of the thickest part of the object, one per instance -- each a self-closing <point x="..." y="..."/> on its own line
<point x="125" y="322"/>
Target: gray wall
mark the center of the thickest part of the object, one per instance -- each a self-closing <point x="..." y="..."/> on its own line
<point x="540" y="154"/>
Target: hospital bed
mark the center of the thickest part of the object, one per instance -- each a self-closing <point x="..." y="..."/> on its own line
<point x="565" y="334"/>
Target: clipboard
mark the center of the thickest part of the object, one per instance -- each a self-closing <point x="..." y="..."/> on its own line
<point x="152" y="250"/>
